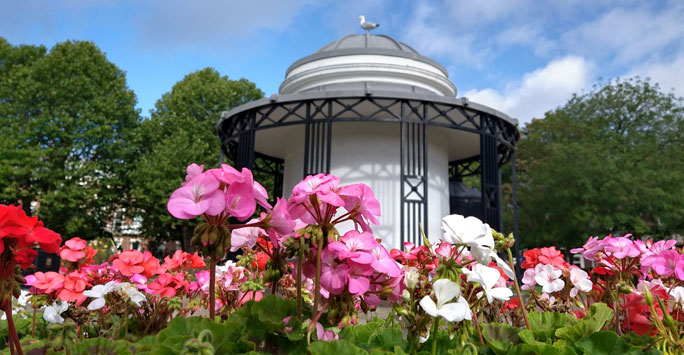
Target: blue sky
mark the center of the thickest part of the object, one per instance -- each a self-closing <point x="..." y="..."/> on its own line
<point x="522" y="57"/>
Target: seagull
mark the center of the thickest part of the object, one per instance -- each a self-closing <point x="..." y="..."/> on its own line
<point x="367" y="25"/>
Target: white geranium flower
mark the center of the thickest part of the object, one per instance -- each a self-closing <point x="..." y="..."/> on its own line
<point x="472" y="232"/>
<point x="53" y="314"/>
<point x="133" y="294"/>
<point x="488" y="277"/>
<point x="580" y="280"/>
<point x="98" y="292"/>
<point x="446" y="290"/>
<point x="548" y="277"/>
<point x="677" y="294"/>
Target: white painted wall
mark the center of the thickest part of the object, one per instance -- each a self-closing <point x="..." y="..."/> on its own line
<point x="369" y="153"/>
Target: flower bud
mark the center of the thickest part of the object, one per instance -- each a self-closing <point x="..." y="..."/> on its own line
<point x="624" y="288"/>
<point x="648" y="296"/>
<point x="406" y="296"/>
<point x="401" y="310"/>
<point x="411" y="277"/>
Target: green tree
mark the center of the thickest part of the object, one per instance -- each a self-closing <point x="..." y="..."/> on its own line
<point x="64" y="141"/>
<point x="181" y="130"/>
<point x="611" y="160"/>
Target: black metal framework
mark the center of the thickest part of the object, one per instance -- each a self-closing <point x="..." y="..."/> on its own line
<point x="415" y="113"/>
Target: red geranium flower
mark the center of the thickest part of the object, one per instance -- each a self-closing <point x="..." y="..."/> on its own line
<point x="531" y="258"/>
<point x="261" y="260"/>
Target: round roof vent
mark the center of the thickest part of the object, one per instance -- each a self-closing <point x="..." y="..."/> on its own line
<point x="367" y="41"/>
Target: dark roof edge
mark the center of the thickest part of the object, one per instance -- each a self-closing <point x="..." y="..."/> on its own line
<point x="362" y="51"/>
<point x="300" y="96"/>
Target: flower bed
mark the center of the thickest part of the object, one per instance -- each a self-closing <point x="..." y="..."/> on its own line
<point x="303" y="286"/>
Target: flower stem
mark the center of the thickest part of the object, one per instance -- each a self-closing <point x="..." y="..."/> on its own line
<point x="517" y="289"/>
<point x="477" y="327"/>
<point x="12" y="330"/>
<point x="33" y="324"/>
<point x="317" y="285"/>
<point x="212" y="288"/>
<point x="299" y="280"/>
<point x="435" y="326"/>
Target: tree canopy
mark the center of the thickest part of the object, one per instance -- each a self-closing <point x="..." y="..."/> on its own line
<point x="610" y="160"/>
<point x="66" y="115"/>
<point x="181" y="130"/>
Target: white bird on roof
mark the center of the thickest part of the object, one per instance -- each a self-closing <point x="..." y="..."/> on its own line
<point x="367" y="25"/>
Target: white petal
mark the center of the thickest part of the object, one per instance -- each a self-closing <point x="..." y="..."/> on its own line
<point x="93" y="293"/>
<point x="453" y="312"/>
<point x="445" y="290"/>
<point x="482" y="254"/>
<point x="96" y="304"/>
<point x="500" y="293"/>
<point x="489" y="275"/>
<point x="504" y="265"/>
<point x="421" y="339"/>
<point x="429" y="306"/>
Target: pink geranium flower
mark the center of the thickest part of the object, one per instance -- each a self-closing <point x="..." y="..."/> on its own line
<point x="245" y="236"/>
<point x="193" y="170"/>
<point x="622" y="247"/>
<point x="384" y="263"/>
<point x="47" y="282"/>
<point x="528" y="279"/>
<point x="334" y="274"/>
<point x="324" y="186"/>
<point x="325" y="335"/>
<point x="356" y="247"/>
<point x="279" y="219"/>
<point x="359" y="283"/>
<point x="592" y="247"/>
<point x="359" y="199"/>
<point x="240" y="196"/>
<point x="199" y="196"/>
<point x="73" y="250"/>
<point x="129" y="263"/>
<point x="666" y="263"/>
<point x="580" y="281"/>
<point x="202" y="282"/>
<point x="72" y="288"/>
<point x="551" y="256"/>
<point x="548" y="277"/>
<point x="166" y="284"/>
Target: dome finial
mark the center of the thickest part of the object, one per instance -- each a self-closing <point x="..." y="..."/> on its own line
<point x="368" y="26"/>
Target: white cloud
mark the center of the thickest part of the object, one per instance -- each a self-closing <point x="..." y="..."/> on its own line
<point x="539" y="91"/>
<point x="628" y="35"/>
<point x="430" y="38"/>
<point x="668" y="74"/>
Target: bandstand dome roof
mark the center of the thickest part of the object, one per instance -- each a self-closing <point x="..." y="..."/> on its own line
<point x="372" y="78"/>
<point x="366" y="61"/>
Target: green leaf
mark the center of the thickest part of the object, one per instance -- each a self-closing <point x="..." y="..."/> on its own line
<point x="600" y="314"/>
<point x="388" y="339"/>
<point x="606" y="342"/>
<point x="361" y="334"/>
<point x="544" y="324"/>
<point x="338" y="347"/>
<point x="102" y="346"/>
<point x="500" y="337"/>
